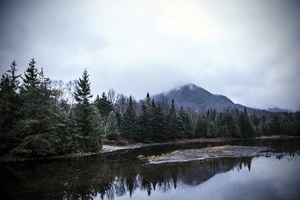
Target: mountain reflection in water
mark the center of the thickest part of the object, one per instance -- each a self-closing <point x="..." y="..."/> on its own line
<point x="112" y="176"/>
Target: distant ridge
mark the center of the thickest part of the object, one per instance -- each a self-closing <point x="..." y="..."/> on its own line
<point x="191" y="96"/>
<point x="276" y="109"/>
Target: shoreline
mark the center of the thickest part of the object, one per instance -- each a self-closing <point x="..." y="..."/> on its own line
<point x="114" y="148"/>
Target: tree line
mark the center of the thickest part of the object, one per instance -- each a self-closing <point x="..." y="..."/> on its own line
<point x="35" y="119"/>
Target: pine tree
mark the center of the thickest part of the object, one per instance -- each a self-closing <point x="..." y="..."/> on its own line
<point x="206" y="124"/>
<point x="187" y="124"/>
<point x="159" y="131"/>
<point x="65" y="133"/>
<point x="212" y="130"/>
<point x="276" y="125"/>
<point x="173" y="124"/>
<point x="245" y="125"/>
<point x="129" y="123"/>
<point x="38" y="130"/>
<point x="148" y="100"/>
<point x="289" y="125"/>
<point x="74" y="133"/>
<point x="112" y="129"/>
<point x="221" y="123"/>
<point x="264" y="127"/>
<point x="9" y="108"/>
<point x="233" y="129"/>
<point x="145" y="123"/>
<point x="255" y="121"/>
<point x="104" y="106"/>
<point x="90" y="129"/>
<point x="227" y="126"/>
<point x="199" y="131"/>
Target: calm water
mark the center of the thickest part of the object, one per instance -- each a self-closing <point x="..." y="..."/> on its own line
<point x="124" y="176"/>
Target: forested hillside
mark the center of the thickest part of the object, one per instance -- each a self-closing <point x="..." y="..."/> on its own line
<point x="197" y="98"/>
<point x="43" y="118"/>
<point x="193" y="97"/>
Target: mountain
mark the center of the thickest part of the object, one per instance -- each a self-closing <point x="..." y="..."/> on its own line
<point x="276" y="109"/>
<point x="196" y="98"/>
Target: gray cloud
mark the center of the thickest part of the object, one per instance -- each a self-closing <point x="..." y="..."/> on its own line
<point x="246" y="50"/>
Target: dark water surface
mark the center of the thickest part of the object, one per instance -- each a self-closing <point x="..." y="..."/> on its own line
<point x="123" y="176"/>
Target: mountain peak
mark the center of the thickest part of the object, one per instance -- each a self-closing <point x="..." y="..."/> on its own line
<point x="197" y="98"/>
<point x="190" y="86"/>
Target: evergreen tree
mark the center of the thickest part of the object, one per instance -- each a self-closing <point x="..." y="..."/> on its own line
<point x="145" y="123"/>
<point x="212" y="130"/>
<point x="221" y="123"/>
<point x="159" y="125"/>
<point x="289" y="125"/>
<point x="173" y="123"/>
<point x="255" y="121"/>
<point x="214" y="115"/>
<point x="187" y="123"/>
<point x="233" y="129"/>
<point x="206" y="132"/>
<point x="264" y="127"/>
<point x="275" y="125"/>
<point x="74" y="133"/>
<point x="9" y="108"/>
<point x="227" y="125"/>
<point x="90" y="129"/>
<point x="245" y="125"/>
<point x="129" y="123"/>
<point x="66" y="137"/>
<point x="199" y="131"/>
<point x="211" y="114"/>
<point x="38" y="132"/>
<point x="148" y="100"/>
<point x="112" y="129"/>
<point x="104" y="106"/>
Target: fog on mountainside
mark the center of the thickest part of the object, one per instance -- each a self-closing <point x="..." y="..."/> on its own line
<point x="193" y="97"/>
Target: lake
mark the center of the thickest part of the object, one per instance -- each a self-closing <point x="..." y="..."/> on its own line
<point x="121" y="175"/>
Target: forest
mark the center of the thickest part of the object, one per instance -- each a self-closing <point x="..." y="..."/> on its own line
<point x="40" y="117"/>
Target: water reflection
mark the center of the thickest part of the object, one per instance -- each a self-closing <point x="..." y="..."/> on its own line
<point x="87" y="178"/>
<point x="112" y="176"/>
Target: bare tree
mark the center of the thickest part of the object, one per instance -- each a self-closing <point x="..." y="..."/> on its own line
<point x="165" y="103"/>
<point x="112" y="96"/>
<point x="58" y="89"/>
<point x="70" y="89"/>
<point x="121" y="103"/>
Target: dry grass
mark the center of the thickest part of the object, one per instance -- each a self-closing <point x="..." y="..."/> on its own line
<point x="165" y="156"/>
<point x="174" y="152"/>
<point x="142" y="157"/>
<point x="161" y="157"/>
<point x="217" y="149"/>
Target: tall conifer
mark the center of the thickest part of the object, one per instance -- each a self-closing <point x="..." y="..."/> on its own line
<point x="199" y="131"/>
<point x="9" y="108"/>
<point x="129" y="123"/>
<point x="173" y="123"/>
<point x="104" y="106"/>
<point x="245" y="125"/>
<point x="90" y="129"/>
<point x="112" y="129"/>
<point x="38" y="130"/>
<point x="187" y="124"/>
<point x="159" y="125"/>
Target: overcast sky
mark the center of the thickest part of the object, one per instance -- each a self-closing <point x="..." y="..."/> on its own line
<point x="248" y="50"/>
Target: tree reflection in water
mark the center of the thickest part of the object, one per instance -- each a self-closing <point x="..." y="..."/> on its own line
<point x="109" y="176"/>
